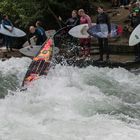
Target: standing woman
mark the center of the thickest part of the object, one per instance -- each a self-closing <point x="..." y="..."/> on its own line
<point x="102" y="18"/>
<point x="62" y="35"/>
<point x="8" y="39"/>
<point x="72" y="21"/>
<point x="85" y="42"/>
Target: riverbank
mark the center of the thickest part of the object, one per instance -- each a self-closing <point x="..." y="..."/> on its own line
<point x="4" y="54"/>
<point x="119" y="46"/>
<point x="124" y="60"/>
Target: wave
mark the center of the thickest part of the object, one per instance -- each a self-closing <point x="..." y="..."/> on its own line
<point x="71" y="104"/>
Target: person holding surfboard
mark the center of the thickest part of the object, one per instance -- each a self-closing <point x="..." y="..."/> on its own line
<point x="135" y="20"/>
<point x="102" y="18"/>
<point x="85" y="42"/>
<point x="8" y="39"/>
<point x="38" y="33"/>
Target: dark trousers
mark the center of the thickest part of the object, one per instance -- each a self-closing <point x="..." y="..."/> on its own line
<point x="137" y="51"/>
<point x="8" y="42"/>
<point x="103" y="47"/>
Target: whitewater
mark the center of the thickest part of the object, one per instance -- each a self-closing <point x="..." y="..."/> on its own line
<point x="69" y="104"/>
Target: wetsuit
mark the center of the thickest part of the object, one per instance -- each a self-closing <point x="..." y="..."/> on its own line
<point x="62" y="34"/>
<point x="8" y="39"/>
<point x="102" y="18"/>
<point x="73" y="21"/>
<point x="40" y="36"/>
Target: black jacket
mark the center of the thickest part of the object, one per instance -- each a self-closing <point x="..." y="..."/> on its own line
<point x="39" y="34"/>
<point x="135" y="20"/>
<point x="73" y="21"/>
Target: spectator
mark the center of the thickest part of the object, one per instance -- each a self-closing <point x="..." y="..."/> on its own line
<point x="102" y="18"/>
<point x="8" y="39"/>
<point x="72" y="21"/>
<point x="86" y="42"/>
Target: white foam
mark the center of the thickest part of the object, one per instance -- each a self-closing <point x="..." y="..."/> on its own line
<point x="70" y="104"/>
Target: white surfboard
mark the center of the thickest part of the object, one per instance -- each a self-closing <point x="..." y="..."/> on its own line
<point x="30" y="50"/>
<point x="49" y="33"/>
<point x="80" y="31"/>
<point x="15" y="32"/>
<point x="33" y="50"/>
<point x="134" y="38"/>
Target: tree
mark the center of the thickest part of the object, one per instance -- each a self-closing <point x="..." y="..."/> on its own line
<point x="27" y="12"/>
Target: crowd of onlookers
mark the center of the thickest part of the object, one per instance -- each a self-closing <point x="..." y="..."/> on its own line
<point x="102" y="18"/>
<point x="81" y="17"/>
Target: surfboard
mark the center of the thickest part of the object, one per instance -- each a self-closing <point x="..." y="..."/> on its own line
<point x="134" y="38"/>
<point x="40" y="64"/>
<point x="49" y="33"/>
<point x="80" y="31"/>
<point x="32" y="51"/>
<point x="101" y="31"/>
<point x="15" y="32"/>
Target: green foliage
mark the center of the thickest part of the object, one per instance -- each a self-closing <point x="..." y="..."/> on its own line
<point x="24" y="12"/>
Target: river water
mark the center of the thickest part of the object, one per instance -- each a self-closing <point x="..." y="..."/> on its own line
<point x="69" y="104"/>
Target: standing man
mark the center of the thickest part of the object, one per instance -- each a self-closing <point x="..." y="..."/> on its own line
<point x="8" y="39"/>
<point x="102" y="18"/>
<point x="38" y="33"/>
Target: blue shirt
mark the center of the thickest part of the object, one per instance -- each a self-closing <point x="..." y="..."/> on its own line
<point x="6" y="22"/>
